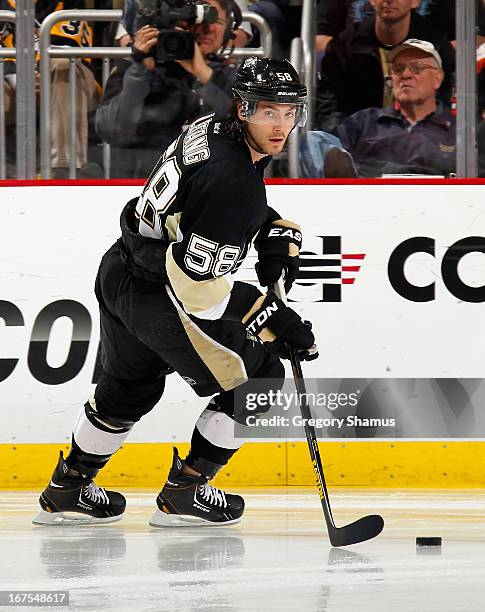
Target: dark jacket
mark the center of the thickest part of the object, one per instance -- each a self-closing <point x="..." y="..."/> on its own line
<point x="352" y="76"/>
<point x="143" y="111"/>
<point x="333" y="16"/>
<point x="381" y="141"/>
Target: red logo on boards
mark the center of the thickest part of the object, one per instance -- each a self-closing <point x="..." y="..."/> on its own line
<point x="331" y="268"/>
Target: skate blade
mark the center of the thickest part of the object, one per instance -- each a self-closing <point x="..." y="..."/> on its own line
<point x="162" y="519"/>
<point x="71" y="518"/>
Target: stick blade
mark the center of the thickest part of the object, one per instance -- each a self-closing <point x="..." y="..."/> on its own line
<point x="364" y="529"/>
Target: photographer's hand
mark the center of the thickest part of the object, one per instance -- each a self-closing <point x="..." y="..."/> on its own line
<point x="197" y="66"/>
<point x="146" y="38"/>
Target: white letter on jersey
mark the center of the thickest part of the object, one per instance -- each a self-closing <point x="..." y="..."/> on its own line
<point x="195" y="143"/>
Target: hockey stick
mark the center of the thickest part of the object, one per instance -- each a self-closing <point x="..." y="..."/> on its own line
<point x="363" y="529"/>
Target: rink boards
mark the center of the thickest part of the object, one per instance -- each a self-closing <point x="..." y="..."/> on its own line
<point x="393" y="284"/>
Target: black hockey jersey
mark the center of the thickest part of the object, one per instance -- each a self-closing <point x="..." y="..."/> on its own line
<point x="206" y="200"/>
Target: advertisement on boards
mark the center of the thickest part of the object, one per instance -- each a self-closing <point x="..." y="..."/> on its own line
<point x="392" y="279"/>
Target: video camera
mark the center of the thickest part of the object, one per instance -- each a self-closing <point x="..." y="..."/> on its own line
<point x="165" y="15"/>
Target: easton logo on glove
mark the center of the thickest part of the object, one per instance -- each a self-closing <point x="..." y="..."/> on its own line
<point x="269" y="315"/>
<point x="261" y="318"/>
<point x="286" y="232"/>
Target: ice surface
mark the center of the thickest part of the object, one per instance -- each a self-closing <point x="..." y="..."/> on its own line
<point x="277" y="558"/>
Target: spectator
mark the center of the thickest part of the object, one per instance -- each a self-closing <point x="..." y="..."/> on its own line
<point x="64" y="33"/>
<point x="355" y="70"/>
<point x="416" y="135"/>
<point x="334" y="16"/>
<point x="124" y="34"/>
<point x="145" y="106"/>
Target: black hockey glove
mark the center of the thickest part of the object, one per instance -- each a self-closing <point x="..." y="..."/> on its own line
<point x="285" y="324"/>
<point x="281" y="348"/>
<point x="278" y="248"/>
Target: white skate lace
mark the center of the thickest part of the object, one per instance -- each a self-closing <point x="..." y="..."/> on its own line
<point x="214" y="496"/>
<point x="96" y="494"/>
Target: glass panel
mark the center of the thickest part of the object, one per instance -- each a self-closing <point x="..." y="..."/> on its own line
<point x="399" y="120"/>
<point x="393" y="108"/>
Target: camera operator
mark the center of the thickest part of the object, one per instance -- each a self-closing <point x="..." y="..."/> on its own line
<point x="242" y="34"/>
<point x="146" y="104"/>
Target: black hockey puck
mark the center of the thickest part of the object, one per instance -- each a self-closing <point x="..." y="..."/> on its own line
<point x="428" y="541"/>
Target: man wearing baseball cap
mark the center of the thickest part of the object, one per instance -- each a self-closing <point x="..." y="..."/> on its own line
<point x="417" y="74"/>
<point x="414" y="136"/>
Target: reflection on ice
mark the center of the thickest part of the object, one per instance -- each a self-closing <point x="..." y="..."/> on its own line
<point x="198" y="553"/>
<point x="343" y="559"/>
<point x="79" y="552"/>
<point x="277" y="558"/>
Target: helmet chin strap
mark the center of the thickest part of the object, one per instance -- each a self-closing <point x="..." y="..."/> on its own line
<point x="250" y="140"/>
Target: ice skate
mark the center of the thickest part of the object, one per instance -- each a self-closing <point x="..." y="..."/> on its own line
<point x="191" y="500"/>
<point x="77" y="500"/>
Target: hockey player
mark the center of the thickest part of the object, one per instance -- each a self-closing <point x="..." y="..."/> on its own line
<point x="167" y="301"/>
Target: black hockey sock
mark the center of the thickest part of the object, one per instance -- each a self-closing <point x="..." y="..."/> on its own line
<point x="86" y="464"/>
<point x="205" y="457"/>
<point x="213" y="441"/>
<point x="96" y="437"/>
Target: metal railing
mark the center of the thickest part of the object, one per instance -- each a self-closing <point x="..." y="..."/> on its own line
<point x="47" y="51"/>
<point x="296" y="59"/>
<point x="266" y="38"/>
<point x="25" y="98"/>
<point x="303" y="59"/>
<point x="466" y="87"/>
<point x="10" y="17"/>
